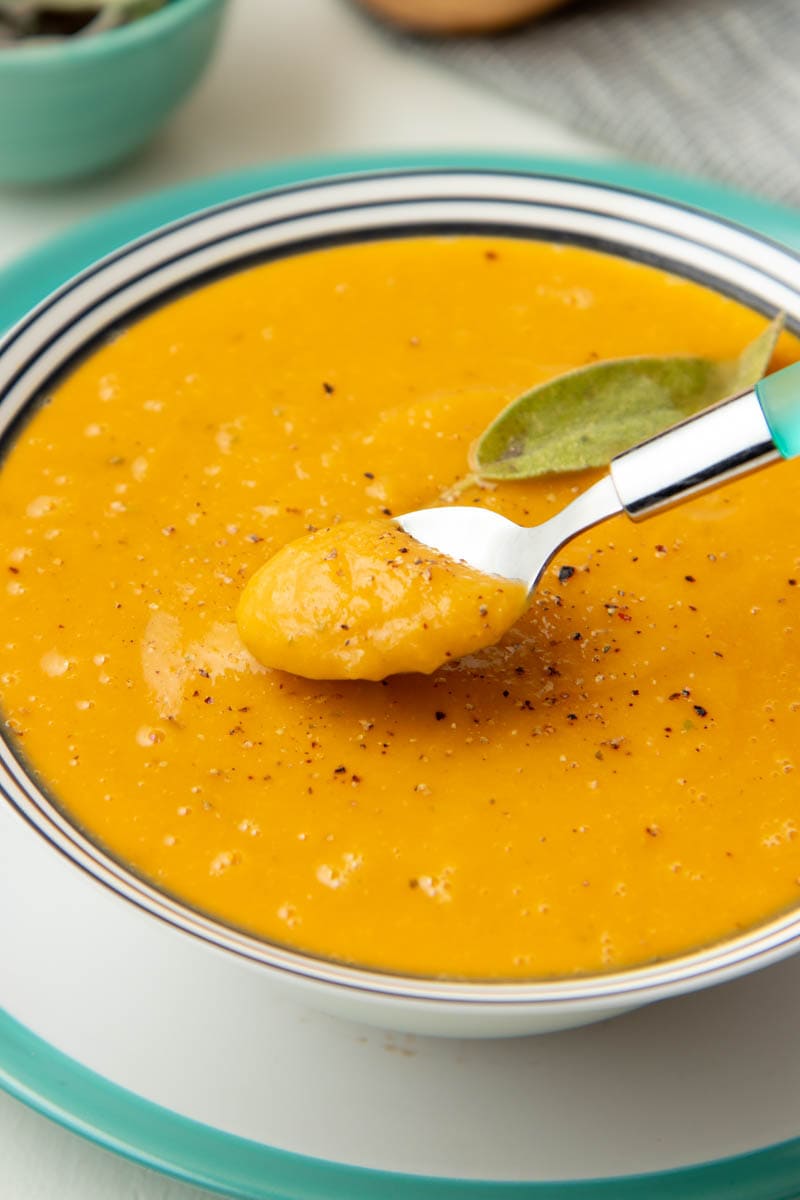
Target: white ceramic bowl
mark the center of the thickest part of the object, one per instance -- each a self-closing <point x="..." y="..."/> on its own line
<point x="106" y="915"/>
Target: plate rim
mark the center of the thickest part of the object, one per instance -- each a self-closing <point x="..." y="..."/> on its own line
<point x="60" y="1087"/>
<point x="116" y="1119"/>
<point x="43" y="268"/>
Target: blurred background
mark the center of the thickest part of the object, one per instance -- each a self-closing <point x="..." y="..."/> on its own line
<point x="195" y="87"/>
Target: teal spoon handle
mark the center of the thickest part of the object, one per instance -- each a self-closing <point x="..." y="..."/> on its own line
<point x="735" y="437"/>
<point x="779" y="397"/>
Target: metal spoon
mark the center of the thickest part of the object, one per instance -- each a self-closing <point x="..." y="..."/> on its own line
<point x="733" y="438"/>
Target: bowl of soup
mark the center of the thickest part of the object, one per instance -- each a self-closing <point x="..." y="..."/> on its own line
<point x="596" y="812"/>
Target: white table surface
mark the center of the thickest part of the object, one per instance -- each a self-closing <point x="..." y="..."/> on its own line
<point x="292" y="78"/>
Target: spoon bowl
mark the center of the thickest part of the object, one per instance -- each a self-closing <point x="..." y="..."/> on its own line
<point x="493" y="544"/>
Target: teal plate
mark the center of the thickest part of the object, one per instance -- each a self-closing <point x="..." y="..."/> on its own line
<point x="60" y="1088"/>
<point x="80" y="1100"/>
<point x="31" y="278"/>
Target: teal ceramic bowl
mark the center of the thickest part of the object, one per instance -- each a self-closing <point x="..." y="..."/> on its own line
<point x="73" y="107"/>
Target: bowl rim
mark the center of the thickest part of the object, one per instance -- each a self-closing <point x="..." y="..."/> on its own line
<point x="133" y="36"/>
<point x="754" y="948"/>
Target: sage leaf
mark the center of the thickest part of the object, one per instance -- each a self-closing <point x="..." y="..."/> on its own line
<point x="588" y="416"/>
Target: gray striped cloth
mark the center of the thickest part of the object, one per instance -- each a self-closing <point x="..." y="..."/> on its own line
<point x="709" y="87"/>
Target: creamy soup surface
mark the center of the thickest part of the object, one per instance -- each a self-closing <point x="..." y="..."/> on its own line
<point x="615" y="782"/>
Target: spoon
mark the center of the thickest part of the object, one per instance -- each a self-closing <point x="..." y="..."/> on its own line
<point x="733" y="438"/>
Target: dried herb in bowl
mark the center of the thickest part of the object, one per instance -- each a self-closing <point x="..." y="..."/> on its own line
<point x="23" y="20"/>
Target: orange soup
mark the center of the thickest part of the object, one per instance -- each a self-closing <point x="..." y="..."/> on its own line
<point x="614" y="782"/>
<point x="364" y="600"/>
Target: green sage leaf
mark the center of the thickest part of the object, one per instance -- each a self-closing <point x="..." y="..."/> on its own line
<point x="588" y="416"/>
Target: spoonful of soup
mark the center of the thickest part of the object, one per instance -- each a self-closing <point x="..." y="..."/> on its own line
<point x="368" y="599"/>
